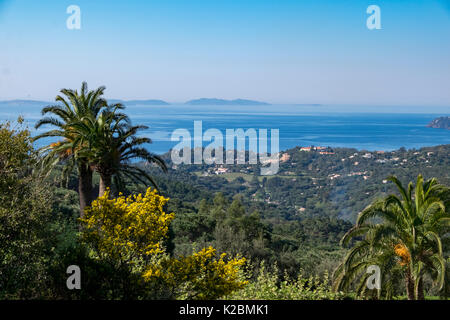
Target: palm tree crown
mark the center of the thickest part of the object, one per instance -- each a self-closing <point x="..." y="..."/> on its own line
<point x="95" y="137"/>
<point x="401" y="235"/>
<point x="113" y="145"/>
<point x="75" y="109"/>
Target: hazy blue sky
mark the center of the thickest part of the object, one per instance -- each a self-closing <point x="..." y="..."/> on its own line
<point x="278" y="51"/>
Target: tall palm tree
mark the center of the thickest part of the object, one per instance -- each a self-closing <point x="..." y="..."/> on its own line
<point x="114" y="149"/>
<point x="111" y="144"/>
<point x="75" y="109"/>
<point x="402" y="236"/>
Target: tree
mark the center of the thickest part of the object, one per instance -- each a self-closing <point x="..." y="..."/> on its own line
<point x="25" y="204"/>
<point x="96" y="137"/>
<point x="402" y="235"/>
<point x="77" y="109"/>
<point x="112" y="148"/>
<point x="198" y="276"/>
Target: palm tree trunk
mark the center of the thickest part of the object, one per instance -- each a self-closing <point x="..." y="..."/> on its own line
<point x="84" y="187"/>
<point x="420" y="295"/>
<point x="105" y="183"/>
<point x="409" y="285"/>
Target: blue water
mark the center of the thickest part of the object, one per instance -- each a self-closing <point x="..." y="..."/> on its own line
<point x="298" y="125"/>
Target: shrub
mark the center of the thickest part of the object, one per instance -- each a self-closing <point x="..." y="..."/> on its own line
<point x="128" y="233"/>
<point x="269" y="286"/>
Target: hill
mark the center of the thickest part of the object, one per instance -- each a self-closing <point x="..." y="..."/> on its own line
<point x="315" y="182"/>
<point x="440" y="123"/>
<point x="20" y="102"/>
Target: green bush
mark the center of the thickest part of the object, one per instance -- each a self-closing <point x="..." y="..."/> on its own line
<point x="268" y="285"/>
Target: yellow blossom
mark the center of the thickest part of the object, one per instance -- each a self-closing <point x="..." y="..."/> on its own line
<point x="124" y="227"/>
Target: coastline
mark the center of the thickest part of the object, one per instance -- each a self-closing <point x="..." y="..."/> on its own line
<point x="297" y="127"/>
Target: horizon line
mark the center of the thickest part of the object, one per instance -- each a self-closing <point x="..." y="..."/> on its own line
<point x="319" y="104"/>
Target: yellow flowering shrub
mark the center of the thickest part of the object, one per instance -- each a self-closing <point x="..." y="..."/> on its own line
<point x="199" y="276"/>
<point x="130" y="231"/>
<point x="126" y="228"/>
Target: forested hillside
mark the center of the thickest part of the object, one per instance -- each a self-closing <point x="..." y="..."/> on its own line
<point x="295" y="218"/>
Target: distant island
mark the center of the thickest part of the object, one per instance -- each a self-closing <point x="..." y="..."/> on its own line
<point x="223" y="102"/>
<point x="151" y="102"/>
<point x="20" y="102"/>
<point x="441" y="123"/>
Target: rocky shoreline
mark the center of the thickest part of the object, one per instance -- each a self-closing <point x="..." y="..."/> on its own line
<point x="440" y="123"/>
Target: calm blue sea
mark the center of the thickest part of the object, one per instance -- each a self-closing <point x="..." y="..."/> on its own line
<point x="334" y="126"/>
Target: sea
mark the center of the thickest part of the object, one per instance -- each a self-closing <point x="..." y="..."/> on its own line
<point x="369" y="128"/>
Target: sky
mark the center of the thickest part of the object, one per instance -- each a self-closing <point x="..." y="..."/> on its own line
<point x="278" y="51"/>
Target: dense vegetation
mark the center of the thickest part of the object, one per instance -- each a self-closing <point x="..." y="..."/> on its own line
<point x="204" y="235"/>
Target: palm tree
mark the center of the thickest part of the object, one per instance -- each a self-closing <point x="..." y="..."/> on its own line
<point x="76" y="108"/>
<point x="115" y="146"/>
<point x="110" y="144"/>
<point x="402" y="236"/>
<point x="95" y="137"/>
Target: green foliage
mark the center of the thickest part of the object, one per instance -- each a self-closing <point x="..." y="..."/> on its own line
<point x="268" y="285"/>
<point x="24" y="214"/>
<point x="311" y="184"/>
<point x="310" y="244"/>
<point x="284" y="224"/>
<point x="401" y="235"/>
